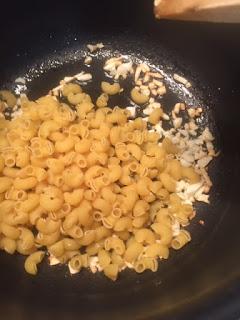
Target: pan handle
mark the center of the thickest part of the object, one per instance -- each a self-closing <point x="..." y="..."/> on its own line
<point x="198" y="10"/>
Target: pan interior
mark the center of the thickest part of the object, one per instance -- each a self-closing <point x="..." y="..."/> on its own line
<point x="44" y="74"/>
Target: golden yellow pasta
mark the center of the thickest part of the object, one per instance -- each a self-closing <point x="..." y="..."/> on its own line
<point x="5" y="184"/>
<point x="110" y="89"/>
<point x="190" y="174"/>
<point x="102" y="100"/>
<point x="138" y="97"/>
<point x="9" y="97"/>
<point x="155" y="116"/>
<point x="89" y="185"/>
<point x="180" y="240"/>
<point x="168" y="146"/>
<point x="168" y="182"/>
<point x="9" y="245"/>
<point x="111" y="271"/>
<point x="157" y="250"/>
<point x="76" y="262"/>
<point x="104" y="258"/>
<point x="145" y="236"/>
<point x="133" y="251"/>
<point x="32" y="261"/>
<point x="71" y="88"/>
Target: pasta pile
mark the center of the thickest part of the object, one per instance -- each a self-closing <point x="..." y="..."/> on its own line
<point x="82" y="182"/>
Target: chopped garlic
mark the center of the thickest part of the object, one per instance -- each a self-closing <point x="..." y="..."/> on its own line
<point x="143" y="87"/>
<point x="71" y="270"/>
<point x="178" y="107"/>
<point x="203" y="162"/>
<point x="129" y="265"/>
<point x="159" y="129"/>
<point x="84" y="77"/>
<point x="162" y="90"/>
<point x="117" y="68"/>
<point x="17" y="113"/>
<point x="175" y="228"/>
<point x="19" y="88"/>
<point x="177" y="122"/>
<point x="53" y="260"/>
<point x="123" y="70"/>
<point x="180" y="79"/>
<point x="187" y="191"/>
<point x="166" y="117"/>
<point x="114" y="60"/>
<point x="20" y="80"/>
<point x="187" y="156"/>
<point x="142" y="68"/>
<point x="95" y="47"/>
<point x="209" y="146"/>
<point x="205" y="176"/>
<point x="199" y="154"/>
<point x="112" y="64"/>
<point x="139" y="83"/>
<point x="157" y="83"/>
<point x="149" y="109"/>
<point x="207" y="135"/>
<point x="200" y="196"/>
<point x="185" y="163"/>
<point x="88" y="60"/>
<point x="191" y="192"/>
<point x="191" y="112"/>
<point x="146" y="92"/>
<point x="154" y="92"/>
<point x="137" y="73"/>
<point x="152" y="86"/>
<point x="156" y="75"/>
<point x="146" y="77"/>
<point x="94" y="264"/>
<point x="132" y="110"/>
<point x="193" y="126"/>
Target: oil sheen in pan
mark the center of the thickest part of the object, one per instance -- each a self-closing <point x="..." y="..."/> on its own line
<point x="46" y="73"/>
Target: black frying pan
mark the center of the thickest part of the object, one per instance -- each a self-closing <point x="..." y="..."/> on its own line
<point x="202" y="281"/>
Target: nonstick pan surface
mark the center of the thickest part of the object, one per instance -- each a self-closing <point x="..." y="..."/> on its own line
<point x="196" y="282"/>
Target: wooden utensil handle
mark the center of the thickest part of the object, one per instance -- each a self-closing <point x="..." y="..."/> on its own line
<point x="200" y="10"/>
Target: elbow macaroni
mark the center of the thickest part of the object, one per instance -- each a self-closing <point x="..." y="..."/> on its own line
<point x="92" y="180"/>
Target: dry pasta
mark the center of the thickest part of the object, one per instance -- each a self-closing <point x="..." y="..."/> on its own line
<point x="95" y="187"/>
